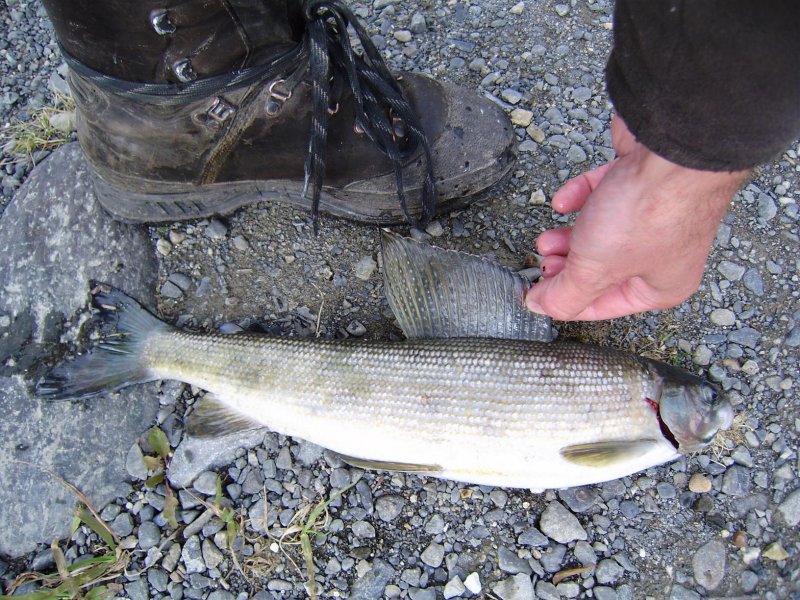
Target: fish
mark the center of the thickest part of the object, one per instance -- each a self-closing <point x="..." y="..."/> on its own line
<point x="479" y="391"/>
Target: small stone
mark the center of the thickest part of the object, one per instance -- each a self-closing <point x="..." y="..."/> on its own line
<point x="723" y="317"/>
<point x="365" y="267"/>
<point x="708" y="564"/>
<point x="561" y="525"/>
<point x="240" y="243"/>
<point x="579" y="499"/>
<point x="511" y="95"/>
<point x="134" y="463"/>
<point x="746" y="336"/>
<point x="402" y="35"/>
<point x="748" y="581"/>
<point x="216" y="229"/>
<point x="192" y="556"/>
<point x="536" y="133"/>
<point x="170" y="290"/>
<point x="517" y="8"/>
<point x="752" y="281"/>
<point x="789" y="509"/>
<point x="206" y="483"/>
<point x="528" y="146"/>
<point x="736" y="481"/>
<point x="473" y="583"/>
<point x="454" y="588"/>
<point x="767" y="209"/>
<point x="518" y="587"/>
<point x="537" y="197"/>
<point x="363" y="529"/>
<point x="521" y="117"/>
<point x="356" y="328"/>
<point x="64" y="121"/>
<point x="665" y="490"/>
<point x="702" y="355"/>
<point x="699" y="484"/>
<point x="509" y="562"/>
<point x="211" y="554"/>
<point x="122" y="525"/>
<point x="176" y="236"/>
<point x="163" y="247"/>
<point x="434" y="229"/>
<point x="433" y="555"/>
<point x="418" y="23"/>
<point x="775" y="552"/>
<point x="435" y="524"/>
<point x="576" y="154"/>
<point x="547" y="591"/>
<point x="730" y="270"/>
<point x="389" y="507"/>
<point x="739" y="539"/>
<point x="562" y="10"/>
<point x="149" y="535"/>
<point x="608" y="571"/>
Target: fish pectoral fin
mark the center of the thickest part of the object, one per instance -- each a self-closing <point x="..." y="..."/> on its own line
<point x="382" y="465"/>
<point x="212" y="418"/>
<point x="603" y="454"/>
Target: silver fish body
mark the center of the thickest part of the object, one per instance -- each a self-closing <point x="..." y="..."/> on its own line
<point x="497" y="412"/>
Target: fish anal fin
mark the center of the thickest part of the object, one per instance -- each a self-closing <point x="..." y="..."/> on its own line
<point x="606" y="453"/>
<point x="382" y="465"/>
<point x="212" y="418"/>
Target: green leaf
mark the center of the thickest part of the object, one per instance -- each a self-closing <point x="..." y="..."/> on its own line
<point x="153" y="463"/>
<point x="170" y="504"/>
<point x="99" y="528"/>
<point x="154" y="480"/>
<point x="218" y="495"/>
<point x="158" y="441"/>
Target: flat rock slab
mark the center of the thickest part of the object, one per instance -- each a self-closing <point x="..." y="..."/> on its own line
<point x="54" y="238"/>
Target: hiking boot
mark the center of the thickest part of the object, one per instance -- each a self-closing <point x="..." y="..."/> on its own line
<point x="188" y="109"/>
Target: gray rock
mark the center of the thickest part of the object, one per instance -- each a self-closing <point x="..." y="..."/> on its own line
<point x="561" y="525"/>
<point x="435" y="524"/>
<point x="547" y="591"/>
<point x="579" y="499"/>
<point x="122" y="525"/>
<point x="216" y="229"/>
<point x="389" y="507"/>
<point x="54" y="227"/>
<point x="723" y="317"/>
<point x="149" y="535"/>
<point x="363" y="529"/>
<point x="211" y="554"/>
<point x="576" y="155"/>
<point x="752" y="281"/>
<point x="584" y="552"/>
<point x="365" y="267"/>
<point x="708" y="564"/>
<point x="418" y="23"/>
<point x="748" y="581"/>
<point x="511" y="95"/>
<point x="433" y="555"/>
<point x="372" y="584"/>
<point x="532" y="537"/>
<point x="793" y="339"/>
<point x="137" y="590"/>
<point x="767" y="209"/>
<point x="730" y="270"/>
<point x="602" y="592"/>
<point x="789" y="509"/>
<point x="608" y="571"/>
<point x="509" y="562"/>
<point x="307" y="453"/>
<point x="134" y="463"/>
<point x="157" y="579"/>
<point x="518" y="587"/>
<point x="195" y="455"/>
<point x="678" y="592"/>
<point x="454" y="588"/>
<point x="746" y="336"/>
<point x="206" y="483"/>
<point x="192" y="556"/>
<point x="170" y="290"/>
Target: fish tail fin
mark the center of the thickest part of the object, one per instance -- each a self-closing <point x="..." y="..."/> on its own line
<point x="117" y="359"/>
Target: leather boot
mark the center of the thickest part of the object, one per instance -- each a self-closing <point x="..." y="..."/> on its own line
<point x="189" y="108"/>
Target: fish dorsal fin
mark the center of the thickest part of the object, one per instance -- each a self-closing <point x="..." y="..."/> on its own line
<point x="607" y="453"/>
<point x="382" y="465"/>
<point x="212" y="418"/>
<point x="437" y="293"/>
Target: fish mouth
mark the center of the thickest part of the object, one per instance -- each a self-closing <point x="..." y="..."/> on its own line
<point x="663" y="426"/>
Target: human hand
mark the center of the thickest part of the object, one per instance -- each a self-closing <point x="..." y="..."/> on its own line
<point x="641" y="239"/>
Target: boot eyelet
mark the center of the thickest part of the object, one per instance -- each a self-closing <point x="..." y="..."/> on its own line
<point x="277" y="96"/>
<point x="161" y="22"/>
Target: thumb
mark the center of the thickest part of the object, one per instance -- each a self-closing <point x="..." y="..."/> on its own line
<point x="563" y="296"/>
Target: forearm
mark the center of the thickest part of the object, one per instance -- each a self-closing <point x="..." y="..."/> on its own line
<point x="712" y="85"/>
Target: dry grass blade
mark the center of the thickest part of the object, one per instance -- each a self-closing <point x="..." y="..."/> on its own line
<point x="565" y="573"/>
<point x="727" y="439"/>
<point x="38" y="133"/>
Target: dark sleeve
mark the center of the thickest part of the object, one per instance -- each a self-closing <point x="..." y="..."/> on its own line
<point x="708" y="84"/>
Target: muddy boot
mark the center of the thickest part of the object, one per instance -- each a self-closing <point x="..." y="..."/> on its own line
<point x="197" y="107"/>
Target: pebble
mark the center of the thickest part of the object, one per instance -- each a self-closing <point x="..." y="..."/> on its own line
<point x="134" y="463"/>
<point x="537" y="197"/>
<point x="511" y="95"/>
<point x="746" y="336"/>
<point x="517" y="8"/>
<point x="192" y="556"/>
<point x="752" y="281"/>
<point x="518" y="587"/>
<point x="608" y="571"/>
<point x="473" y="583"/>
<point x="576" y="154"/>
<point x="433" y="555"/>
<point x="363" y="530"/>
<point x="206" y="483"/>
<point x="699" y="484"/>
<point x="454" y="588"/>
<point x="730" y="270"/>
<point x="708" y="564"/>
<point x="562" y="10"/>
<point x="170" y="290"/>
<point x="402" y="35"/>
<point x="580" y="499"/>
<point x="536" y="133"/>
<point x="434" y="229"/>
<point x="509" y="562"/>
<point x="418" y="23"/>
<point x="767" y="209"/>
<point x="789" y="509"/>
<point x="723" y="317"/>
<point x="356" y="328"/>
<point x="702" y="355"/>
<point x="389" y="507"/>
<point x="149" y="535"/>
<point x="521" y="117"/>
<point x="163" y="247"/>
<point x="365" y="267"/>
<point x="561" y="525"/>
<point x="216" y="229"/>
<point x="748" y="580"/>
<point x="775" y="552"/>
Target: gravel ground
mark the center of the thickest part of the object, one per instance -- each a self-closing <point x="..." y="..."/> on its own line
<point x="706" y="525"/>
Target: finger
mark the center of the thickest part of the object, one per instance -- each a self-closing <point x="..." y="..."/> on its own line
<point x="565" y="295"/>
<point x="572" y="195"/>
<point x="554" y="241"/>
<point x="619" y="301"/>
<point x="552" y="265"/>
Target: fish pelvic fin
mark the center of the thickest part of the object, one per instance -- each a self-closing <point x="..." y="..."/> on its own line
<point x="116" y="360"/>
<point x="380" y="465"/>
<point x="213" y="418"/>
<point x="438" y="293"/>
<point x="607" y="453"/>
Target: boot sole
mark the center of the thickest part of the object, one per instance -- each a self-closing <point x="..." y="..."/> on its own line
<point x="224" y="198"/>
